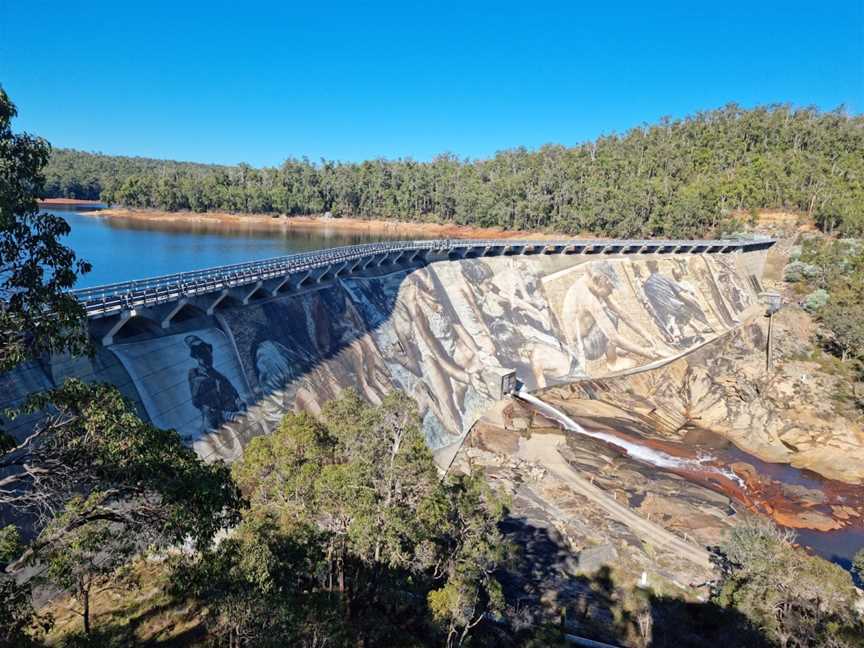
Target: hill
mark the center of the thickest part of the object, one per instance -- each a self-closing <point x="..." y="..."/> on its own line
<point x="684" y="177"/>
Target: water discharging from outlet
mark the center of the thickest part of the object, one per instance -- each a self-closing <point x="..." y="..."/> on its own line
<point x="774" y="490"/>
<point x="634" y="450"/>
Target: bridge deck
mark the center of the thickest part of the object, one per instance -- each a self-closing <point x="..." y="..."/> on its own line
<point x="111" y="299"/>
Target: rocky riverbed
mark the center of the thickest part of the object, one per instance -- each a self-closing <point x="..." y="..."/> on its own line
<point x="772" y="443"/>
<point x="787" y="414"/>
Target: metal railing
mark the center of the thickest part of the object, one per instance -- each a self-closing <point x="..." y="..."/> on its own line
<point x="127" y="295"/>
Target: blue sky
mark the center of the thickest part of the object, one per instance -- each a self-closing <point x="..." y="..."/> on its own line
<point x="260" y="81"/>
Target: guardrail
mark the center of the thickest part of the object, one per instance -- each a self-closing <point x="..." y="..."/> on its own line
<point x="127" y="295"/>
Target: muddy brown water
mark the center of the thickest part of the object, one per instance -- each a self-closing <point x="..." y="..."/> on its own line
<point x="785" y="488"/>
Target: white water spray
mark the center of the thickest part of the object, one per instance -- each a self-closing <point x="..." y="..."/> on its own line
<point x="634" y="450"/>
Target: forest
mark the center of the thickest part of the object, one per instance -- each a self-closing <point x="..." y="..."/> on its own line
<point x="683" y="177"/>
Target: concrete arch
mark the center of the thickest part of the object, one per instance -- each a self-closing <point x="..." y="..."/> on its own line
<point x="131" y="325"/>
<point x="184" y="313"/>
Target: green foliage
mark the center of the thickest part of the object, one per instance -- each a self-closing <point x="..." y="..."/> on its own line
<point x="473" y="549"/>
<point x="796" y="599"/>
<point x="20" y="626"/>
<point x="832" y="262"/>
<point x="81" y="557"/>
<point x="835" y="268"/>
<point x="845" y="318"/>
<point x="798" y="271"/>
<point x="815" y="300"/>
<point x="101" y="485"/>
<point x="95" y="443"/>
<point x="36" y="269"/>
<point x="261" y="586"/>
<point x="858" y="564"/>
<point x="350" y="530"/>
<point x="677" y="178"/>
<point x="10" y="543"/>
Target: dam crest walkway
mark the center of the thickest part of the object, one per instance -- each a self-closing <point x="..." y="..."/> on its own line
<point x="208" y="288"/>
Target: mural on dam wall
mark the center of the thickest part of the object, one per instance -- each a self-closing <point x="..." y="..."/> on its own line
<point x="298" y="353"/>
<point x="190" y="382"/>
<point x="617" y="315"/>
<point x="443" y="333"/>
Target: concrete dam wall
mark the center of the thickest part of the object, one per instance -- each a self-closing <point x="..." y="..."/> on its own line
<point x="443" y="331"/>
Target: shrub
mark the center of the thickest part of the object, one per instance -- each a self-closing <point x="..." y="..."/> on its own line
<point x="815" y="300"/>
<point x="798" y="271"/>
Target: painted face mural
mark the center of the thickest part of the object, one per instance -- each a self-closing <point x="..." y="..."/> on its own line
<point x="190" y="382"/>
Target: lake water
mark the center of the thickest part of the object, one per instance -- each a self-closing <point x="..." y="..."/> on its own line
<point x="122" y="249"/>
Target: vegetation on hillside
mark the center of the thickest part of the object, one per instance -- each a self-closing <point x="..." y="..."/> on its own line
<point x="795" y="599"/>
<point x="676" y="178"/>
<point x="829" y="274"/>
<point x="352" y="538"/>
<point x="80" y="175"/>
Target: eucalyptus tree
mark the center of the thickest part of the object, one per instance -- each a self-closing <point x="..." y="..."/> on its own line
<point x="381" y="547"/>
<point x="36" y="269"/>
<point x="90" y="483"/>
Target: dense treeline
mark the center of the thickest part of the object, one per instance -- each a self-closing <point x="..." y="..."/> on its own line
<point x="682" y="177"/>
<point x="76" y="174"/>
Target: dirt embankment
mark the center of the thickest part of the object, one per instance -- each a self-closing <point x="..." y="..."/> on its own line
<point x="275" y="221"/>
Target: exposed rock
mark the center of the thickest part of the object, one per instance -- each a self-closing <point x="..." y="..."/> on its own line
<point x="593" y="558"/>
<point x="786" y="416"/>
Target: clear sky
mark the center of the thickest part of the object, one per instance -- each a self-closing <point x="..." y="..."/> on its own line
<point x="261" y="81"/>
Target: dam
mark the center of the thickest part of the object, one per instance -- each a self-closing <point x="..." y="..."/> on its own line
<point x="221" y="354"/>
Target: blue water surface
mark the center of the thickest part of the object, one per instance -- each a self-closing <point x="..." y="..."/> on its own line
<point x="123" y="249"/>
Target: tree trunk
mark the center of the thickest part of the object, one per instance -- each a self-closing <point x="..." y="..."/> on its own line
<point x="85" y="600"/>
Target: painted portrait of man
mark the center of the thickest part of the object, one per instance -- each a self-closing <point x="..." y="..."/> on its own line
<point x="212" y="393"/>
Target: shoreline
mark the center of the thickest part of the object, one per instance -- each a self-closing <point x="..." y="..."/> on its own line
<point x="47" y="202"/>
<point x="432" y="230"/>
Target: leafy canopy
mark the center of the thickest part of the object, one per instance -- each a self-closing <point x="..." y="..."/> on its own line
<point x="35" y="267"/>
<point x="352" y="535"/>
<point x="680" y="178"/>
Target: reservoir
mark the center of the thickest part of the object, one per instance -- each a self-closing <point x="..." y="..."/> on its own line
<point x="122" y="249"/>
